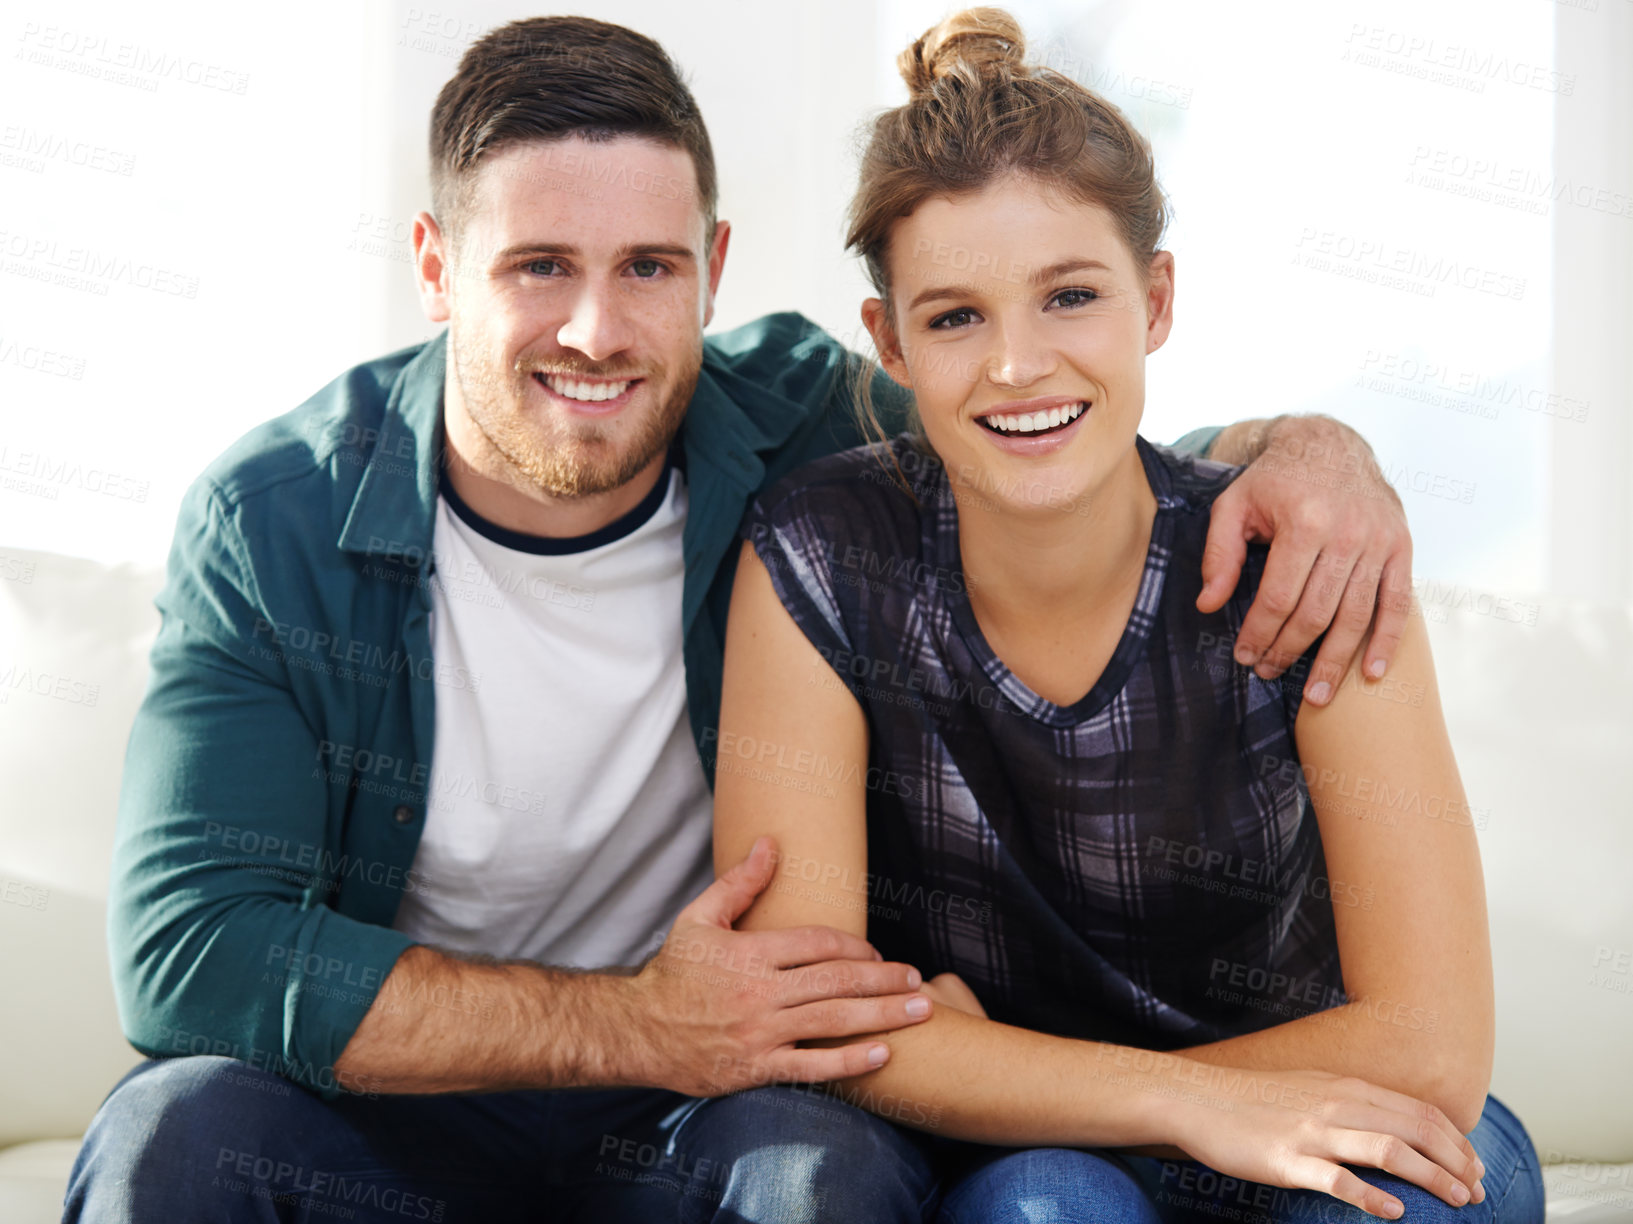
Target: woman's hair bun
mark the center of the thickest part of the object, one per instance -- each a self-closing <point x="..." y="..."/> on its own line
<point x="983" y="40"/>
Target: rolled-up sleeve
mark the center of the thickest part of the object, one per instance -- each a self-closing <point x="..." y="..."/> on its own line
<point x="219" y="936"/>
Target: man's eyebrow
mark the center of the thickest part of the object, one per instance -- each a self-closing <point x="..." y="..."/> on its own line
<point x="670" y="249"/>
<point x="1041" y="276"/>
<point x="632" y="251"/>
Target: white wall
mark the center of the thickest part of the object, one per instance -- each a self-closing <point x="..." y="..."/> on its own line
<point x="1308" y="149"/>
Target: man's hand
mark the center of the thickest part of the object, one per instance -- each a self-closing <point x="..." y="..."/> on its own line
<point x="718" y="1010"/>
<point x="1339" y="549"/>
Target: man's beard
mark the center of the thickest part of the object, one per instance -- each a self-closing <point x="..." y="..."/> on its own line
<point x="576" y="462"/>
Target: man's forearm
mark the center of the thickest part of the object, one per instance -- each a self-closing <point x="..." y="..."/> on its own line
<point x="1308" y="437"/>
<point x="1242" y="442"/>
<point x="442" y="1024"/>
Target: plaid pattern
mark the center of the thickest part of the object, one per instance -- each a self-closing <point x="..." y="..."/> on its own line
<point x="1142" y="866"/>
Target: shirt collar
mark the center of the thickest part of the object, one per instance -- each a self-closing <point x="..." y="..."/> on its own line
<point x="394" y="511"/>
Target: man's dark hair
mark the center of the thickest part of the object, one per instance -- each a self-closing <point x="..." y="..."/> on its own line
<point x="545" y="78"/>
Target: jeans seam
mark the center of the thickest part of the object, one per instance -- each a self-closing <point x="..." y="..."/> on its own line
<point x="1497" y="1207"/>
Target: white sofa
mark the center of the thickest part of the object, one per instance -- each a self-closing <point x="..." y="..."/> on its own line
<point x="1541" y="715"/>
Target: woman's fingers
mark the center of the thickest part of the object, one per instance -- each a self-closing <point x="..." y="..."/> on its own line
<point x="1393" y="1154"/>
<point x="1315" y="1173"/>
<point x="952" y="990"/>
<point x="1415" y="1111"/>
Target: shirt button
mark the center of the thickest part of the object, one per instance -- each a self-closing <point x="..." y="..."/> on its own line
<point x="403" y="814"/>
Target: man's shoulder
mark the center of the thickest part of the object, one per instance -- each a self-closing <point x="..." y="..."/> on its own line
<point x="766" y="344"/>
<point x="799" y="384"/>
<point x="779" y="366"/>
<point x="325" y="440"/>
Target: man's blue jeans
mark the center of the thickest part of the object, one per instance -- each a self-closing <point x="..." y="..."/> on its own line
<point x="206" y="1138"/>
<point x="214" y="1139"/>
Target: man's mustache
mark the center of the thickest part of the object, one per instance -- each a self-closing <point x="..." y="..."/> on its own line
<point x="579" y="370"/>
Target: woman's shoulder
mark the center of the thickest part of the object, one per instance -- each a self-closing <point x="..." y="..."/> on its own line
<point x="1185" y="482"/>
<point x="874" y="492"/>
<point x="840" y="538"/>
<point x="1187" y="486"/>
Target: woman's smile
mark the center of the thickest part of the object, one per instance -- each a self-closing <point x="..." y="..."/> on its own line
<point x="1037" y="426"/>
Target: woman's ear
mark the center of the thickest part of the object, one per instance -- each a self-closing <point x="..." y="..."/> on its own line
<point x="1159" y="300"/>
<point x="877" y="320"/>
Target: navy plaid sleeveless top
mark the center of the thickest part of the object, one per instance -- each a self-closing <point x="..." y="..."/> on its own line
<point x="1140" y="867"/>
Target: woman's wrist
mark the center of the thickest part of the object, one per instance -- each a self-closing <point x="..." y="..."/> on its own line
<point x="1152" y="1096"/>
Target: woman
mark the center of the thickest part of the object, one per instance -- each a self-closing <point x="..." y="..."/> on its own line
<point x="996" y="736"/>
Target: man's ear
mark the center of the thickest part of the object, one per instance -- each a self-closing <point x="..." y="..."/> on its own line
<point x="877" y="320"/>
<point x="717" y="265"/>
<point x="431" y="267"/>
<point x="1159" y="300"/>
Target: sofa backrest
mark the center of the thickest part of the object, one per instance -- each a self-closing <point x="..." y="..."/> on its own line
<point x="74" y="637"/>
<point x="1541" y="717"/>
<point x="1539" y="712"/>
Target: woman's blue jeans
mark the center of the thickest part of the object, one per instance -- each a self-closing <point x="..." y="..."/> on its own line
<point x="774" y="1167"/>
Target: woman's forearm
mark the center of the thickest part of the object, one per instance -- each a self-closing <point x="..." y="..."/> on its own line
<point x="1415" y="1050"/>
<point x="970" y="1078"/>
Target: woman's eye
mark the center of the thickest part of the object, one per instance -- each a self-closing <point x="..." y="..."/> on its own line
<point x="1075" y="297"/>
<point x="646" y="269"/>
<point x="953" y="318"/>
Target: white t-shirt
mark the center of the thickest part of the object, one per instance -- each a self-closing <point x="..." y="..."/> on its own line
<point x="568" y="819"/>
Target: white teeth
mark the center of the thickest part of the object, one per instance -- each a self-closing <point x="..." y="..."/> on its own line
<point x="589" y="392"/>
<point x="1032" y="422"/>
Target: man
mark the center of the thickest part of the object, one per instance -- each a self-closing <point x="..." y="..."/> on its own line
<point x="437" y="682"/>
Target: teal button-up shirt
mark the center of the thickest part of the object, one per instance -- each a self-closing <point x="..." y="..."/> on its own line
<point x="276" y="778"/>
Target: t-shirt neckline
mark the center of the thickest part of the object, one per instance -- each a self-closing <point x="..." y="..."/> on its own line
<point x="555" y="546"/>
<point x="941" y="542"/>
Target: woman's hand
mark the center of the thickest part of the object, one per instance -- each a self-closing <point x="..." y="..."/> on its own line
<point x="950" y="990"/>
<point x="1299" y="1128"/>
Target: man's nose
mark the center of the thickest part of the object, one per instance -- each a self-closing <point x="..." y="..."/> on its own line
<point x="597" y="326"/>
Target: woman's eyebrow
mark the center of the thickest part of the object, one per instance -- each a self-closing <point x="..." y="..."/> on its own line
<point x="1064" y="266"/>
<point x="1040" y="277"/>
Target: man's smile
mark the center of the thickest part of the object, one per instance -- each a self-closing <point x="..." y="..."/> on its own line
<point x="596" y="396"/>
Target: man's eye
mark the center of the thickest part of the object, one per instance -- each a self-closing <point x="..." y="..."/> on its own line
<point x="543" y="267"/>
<point x="961" y="317"/>
<point x="646" y="269"/>
<point x="1075" y="297"/>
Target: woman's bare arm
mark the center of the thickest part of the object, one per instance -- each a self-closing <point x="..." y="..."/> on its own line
<point x="1408" y="897"/>
<point x="793" y="762"/>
